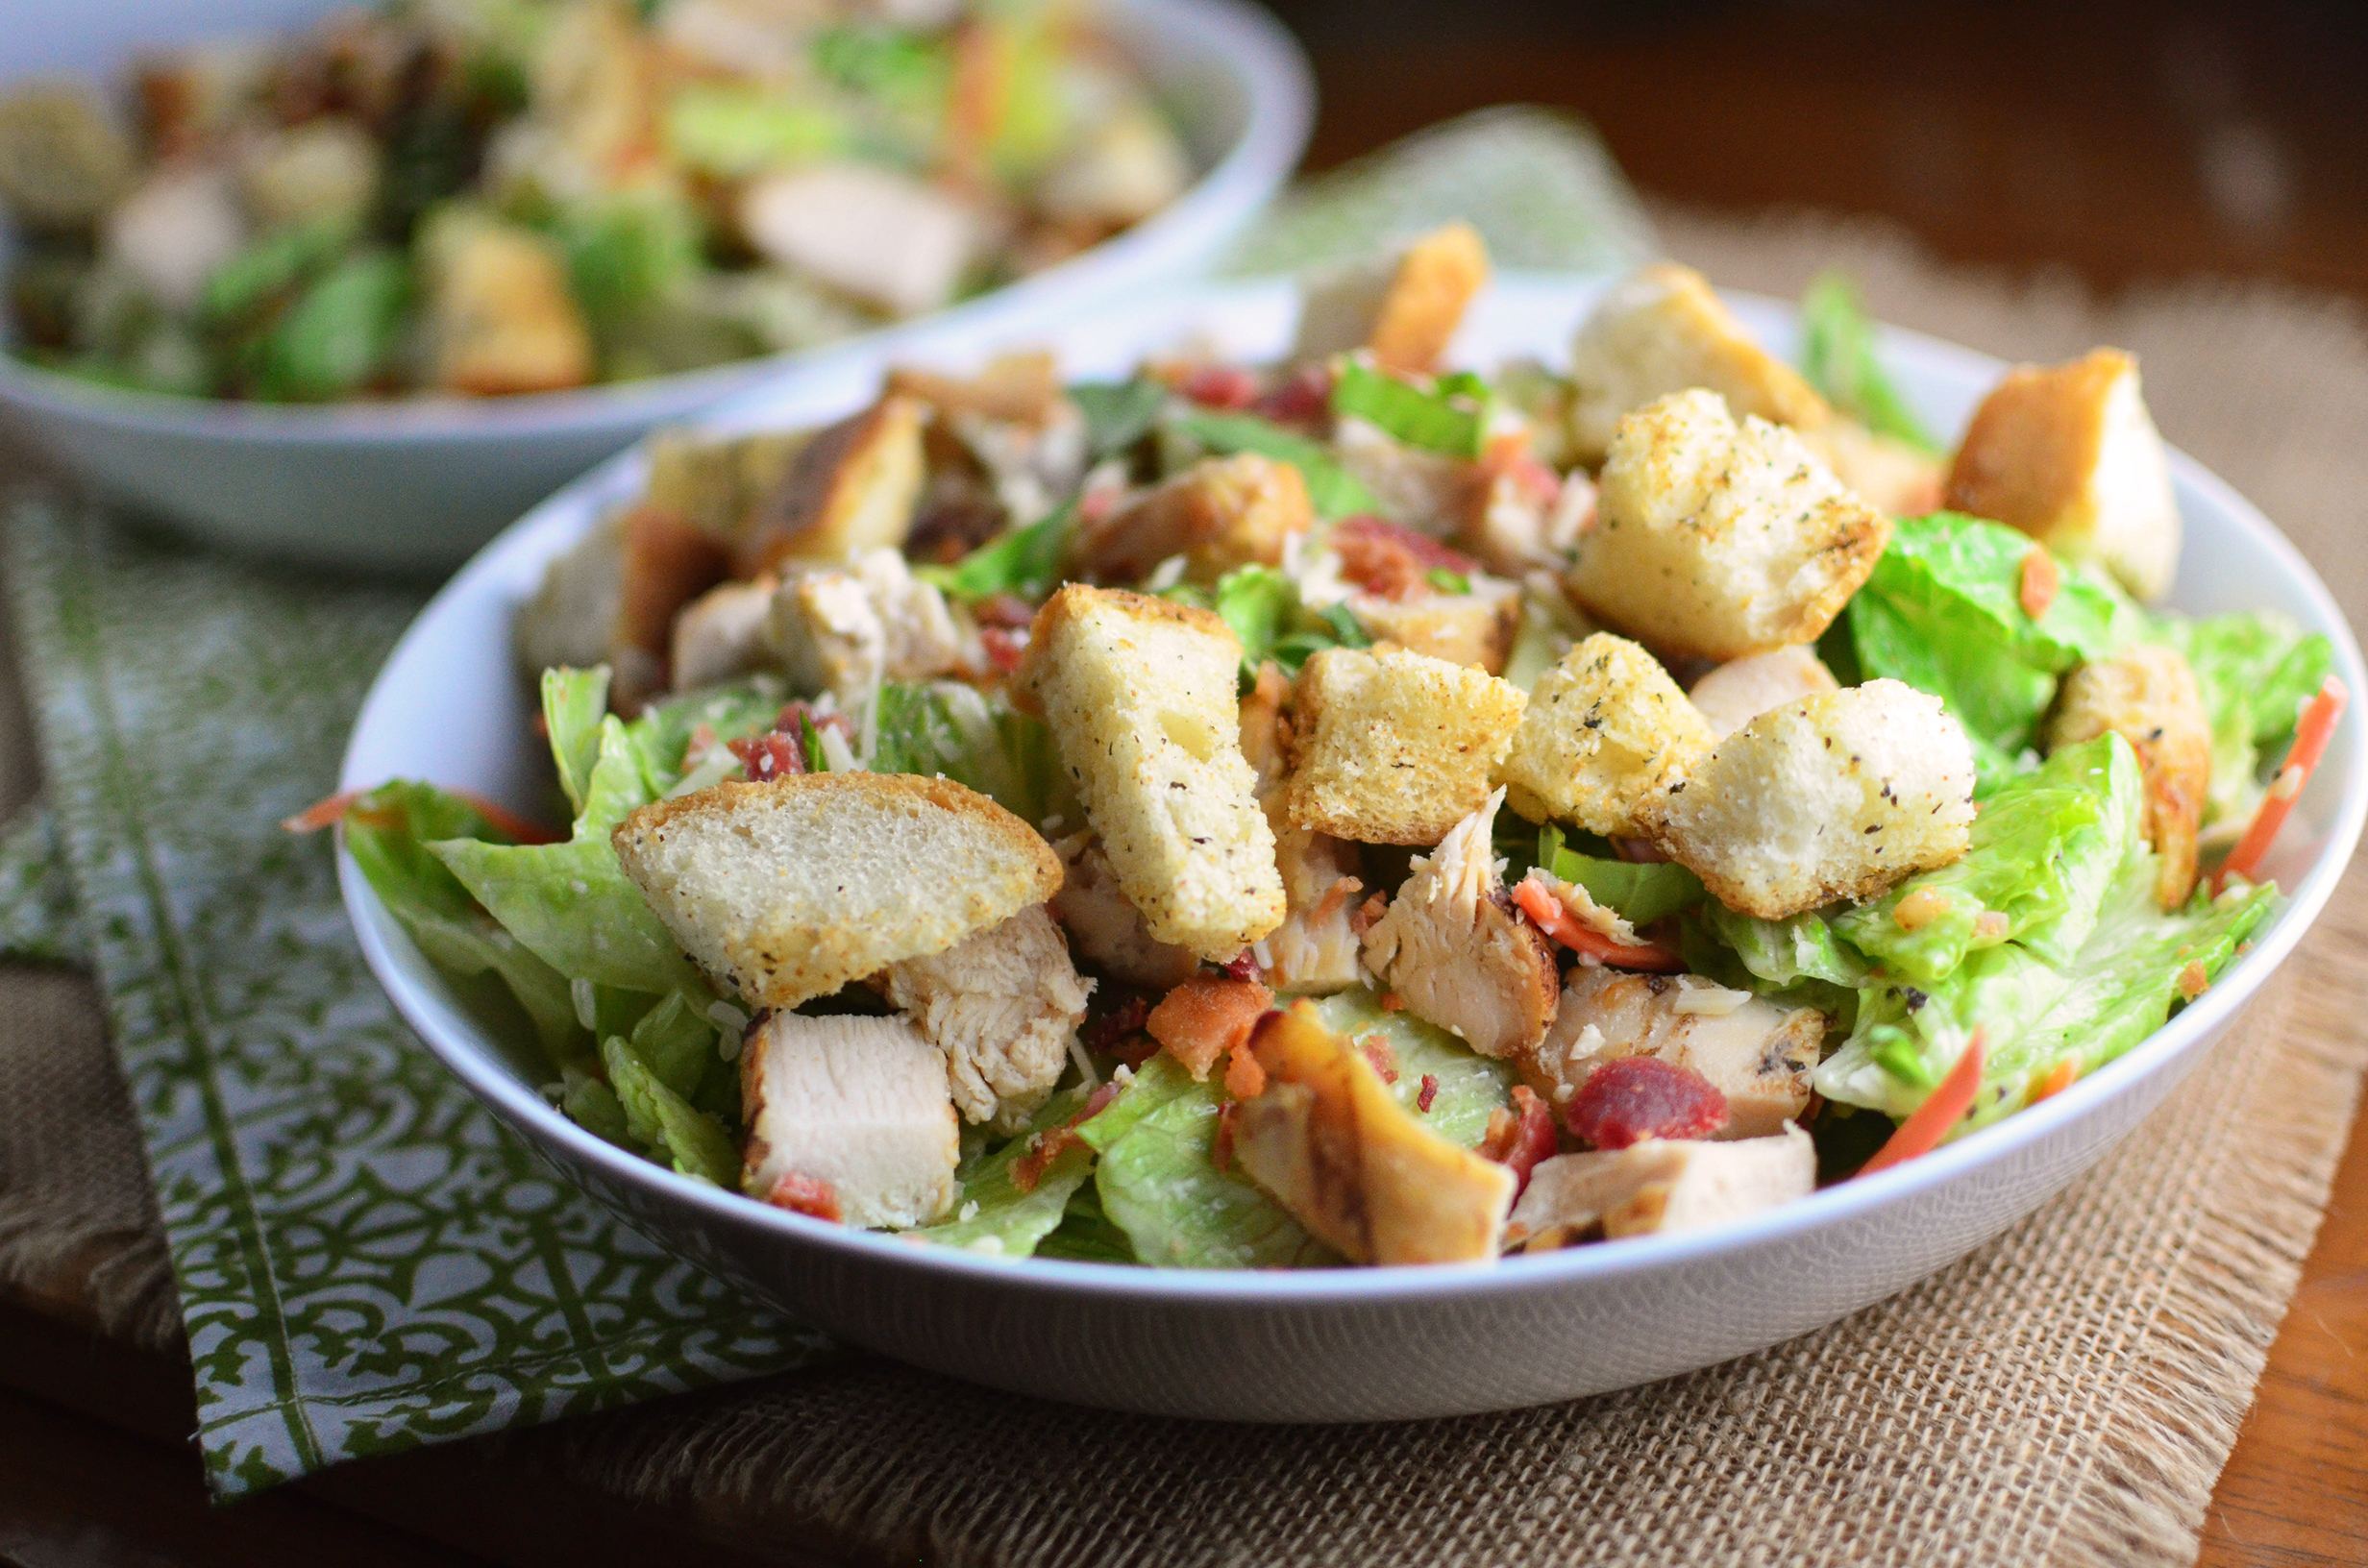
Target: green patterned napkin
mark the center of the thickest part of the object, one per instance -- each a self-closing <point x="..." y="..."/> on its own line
<point x="366" y="1261"/>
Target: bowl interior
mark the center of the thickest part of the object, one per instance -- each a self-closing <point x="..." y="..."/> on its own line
<point x="448" y="708"/>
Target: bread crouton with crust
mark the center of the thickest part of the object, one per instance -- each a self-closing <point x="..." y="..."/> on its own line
<point x="1836" y="795"/>
<point x="2068" y="454"/>
<point x="1140" y="695"/>
<point x="1718" y="539"/>
<point x="1221" y="513"/>
<point x="1661" y="331"/>
<point x="1404" y="308"/>
<point x="850" y="489"/>
<point x="1605" y="733"/>
<point x="1394" y="746"/>
<point x="1001" y="1005"/>
<point x="789" y="890"/>
<point x="2148" y="696"/>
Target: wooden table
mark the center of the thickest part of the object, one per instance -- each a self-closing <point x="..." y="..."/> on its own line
<point x="2127" y="140"/>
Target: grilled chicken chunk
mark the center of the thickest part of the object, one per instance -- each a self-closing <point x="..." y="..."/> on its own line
<point x="2148" y="696"/>
<point x="1108" y="930"/>
<point x="1659" y="1185"/>
<point x="1752" y="1051"/>
<point x="1001" y="1005"/>
<point x="1741" y="690"/>
<point x="851" y="1113"/>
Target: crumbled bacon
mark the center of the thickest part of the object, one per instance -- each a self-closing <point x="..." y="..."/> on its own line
<point x="1220" y="1146"/>
<point x="770" y="756"/>
<point x="1207" y="1017"/>
<point x="1392" y="1002"/>
<point x="1244" y="1078"/>
<point x="2193" y="980"/>
<point x="1368" y="912"/>
<point x="1009" y="610"/>
<point x="1392" y="561"/>
<point x="1519" y="1138"/>
<point x="1005" y="647"/>
<point x="1243" y="965"/>
<point x="1376" y="1049"/>
<point x="1303" y="397"/>
<point x="806" y="1195"/>
<point x="1429" y="1092"/>
<point x="1637" y="1097"/>
<point x="1509" y="455"/>
<point x="1053" y="1142"/>
<point x="1105" y="1032"/>
<point x="796" y="718"/>
<point x="1220" y="386"/>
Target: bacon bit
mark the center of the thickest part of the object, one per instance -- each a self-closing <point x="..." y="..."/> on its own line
<point x="1221" y="387"/>
<point x="1429" y="1093"/>
<point x="1635" y="1097"/>
<point x="2311" y="734"/>
<point x="1220" y="1146"/>
<point x="1098" y="500"/>
<point x="1207" y="1017"/>
<point x="797" y="718"/>
<point x="807" y="1195"/>
<point x="1304" y="397"/>
<point x="1005" y="647"/>
<point x="2193" y="981"/>
<point x="768" y="756"/>
<point x="1244" y="1078"/>
<point x="1243" y="965"/>
<point x="508" y="823"/>
<point x="703" y="741"/>
<point x="1009" y="610"/>
<point x="1920" y="908"/>
<point x="1376" y="1049"/>
<point x="1392" y="561"/>
<point x="1535" y="899"/>
<point x="1334" y="897"/>
<point x="1368" y="912"/>
<point x="1508" y="456"/>
<point x="1519" y="1138"/>
<point x="2056" y="1080"/>
<point x="1942" y="1109"/>
<point x="1105" y="1032"/>
<point x="1392" y="1002"/>
<point x="2039" y="580"/>
<point x="1051" y="1144"/>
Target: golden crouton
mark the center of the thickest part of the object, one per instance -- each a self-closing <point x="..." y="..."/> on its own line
<point x="1474" y="628"/>
<point x="1605" y="733"/>
<point x="1395" y="747"/>
<point x="1836" y="795"/>
<point x="850" y="489"/>
<point x="1663" y="330"/>
<point x="501" y="314"/>
<point x="1405" y="310"/>
<point x="2148" y="696"/>
<point x="2068" y="454"/>
<point x="1139" y="696"/>
<point x="1718" y="540"/>
<point x="718" y="485"/>
<point x="1221" y="513"/>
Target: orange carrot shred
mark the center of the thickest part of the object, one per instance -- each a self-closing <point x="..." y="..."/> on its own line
<point x="2039" y="580"/>
<point x="2311" y="734"/>
<point x="321" y="814"/>
<point x="2056" y="1080"/>
<point x="1540" y="905"/>
<point x="1922" y="1132"/>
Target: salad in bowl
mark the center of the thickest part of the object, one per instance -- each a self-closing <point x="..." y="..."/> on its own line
<point x="1352" y="810"/>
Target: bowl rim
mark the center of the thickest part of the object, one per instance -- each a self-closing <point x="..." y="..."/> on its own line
<point x="1384" y="1285"/>
<point x="1263" y="58"/>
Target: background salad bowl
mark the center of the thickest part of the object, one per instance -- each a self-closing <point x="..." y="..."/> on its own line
<point x="418" y="484"/>
<point x="1320" y="1345"/>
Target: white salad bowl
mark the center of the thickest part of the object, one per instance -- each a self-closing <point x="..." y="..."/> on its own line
<point x="1341" y="1344"/>
<point x="417" y="485"/>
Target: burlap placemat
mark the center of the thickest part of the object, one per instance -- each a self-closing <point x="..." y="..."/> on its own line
<point x="2068" y="1393"/>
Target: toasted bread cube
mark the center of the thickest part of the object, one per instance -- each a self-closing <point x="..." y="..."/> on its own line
<point x="1837" y="796"/>
<point x="848" y="1113"/>
<point x="1605" y="733"/>
<point x="2068" y="454"/>
<point x="499" y="311"/>
<point x="718" y="485"/>
<point x="1404" y="309"/>
<point x="1139" y="696"/>
<point x="1718" y="540"/>
<point x="789" y="890"/>
<point x="879" y="236"/>
<point x="1001" y="1005"/>
<point x="1221" y="513"/>
<point x="1659" y="1185"/>
<point x="667" y="562"/>
<point x="1664" y="331"/>
<point x="2148" y="696"/>
<point x="1740" y="691"/>
<point x="1395" y="747"/>
<point x="1752" y="1051"/>
<point x="850" y="489"/>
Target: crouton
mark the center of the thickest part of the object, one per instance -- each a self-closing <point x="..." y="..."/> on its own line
<point x="2068" y="454"/>
<point x="1404" y="309"/>
<point x="849" y="1114"/>
<point x="1886" y="473"/>
<point x="1001" y="1005"/>
<point x="789" y="890"/>
<point x="1395" y="747"/>
<point x="1022" y="388"/>
<point x="666" y="563"/>
<point x="1346" y="1160"/>
<point x="1105" y="928"/>
<point x="1139" y="696"/>
<point x="1740" y="691"/>
<point x="1755" y="1053"/>
<point x="502" y="317"/>
<point x="1659" y="1185"/>
<point x="1459" y="954"/>
<point x="1836" y="795"/>
<point x="1663" y="330"/>
<point x="2148" y="696"/>
<point x="718" y="485"/>
<point x="1221" y="513"/>
<point x="1718" y="540"/>
<point x="722" y="635"/>
<point x="879" y="236"/>
<point x="844" y="630"/>
<point x="1474" y="628"/>
<point x="850" y="489"/>
<point x="573" y="616"/>
<point x="1605" y="733"/>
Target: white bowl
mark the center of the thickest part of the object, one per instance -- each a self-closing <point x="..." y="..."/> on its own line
<point x="1347" y="1344"/>
<point x="418" y="485"/>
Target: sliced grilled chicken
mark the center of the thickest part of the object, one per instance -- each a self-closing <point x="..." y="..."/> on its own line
<point x="848" y="1115"/>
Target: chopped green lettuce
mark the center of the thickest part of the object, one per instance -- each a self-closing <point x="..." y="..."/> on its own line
<point x="1001" y="1219"/>
<point x="1085" y="1232"/>
<point x="1263" y="610"/>
<point x="1450" y="418"/>
<point x="1117" y="413"/>
<point x="2255" y="672"/>
<point x="1331" y="489"/>
<point x="1471" y="1088"/>
<point x="668" y="1127"/>
<point x="575" y="701"/>
<point x="662" y="734"/>
<point x="1640" y="892"/>
<point x="950" y="728"/>
<point x="1907" y="1036"/>
<point x="1838" y="359"/>
<point x="1025" y="561"/>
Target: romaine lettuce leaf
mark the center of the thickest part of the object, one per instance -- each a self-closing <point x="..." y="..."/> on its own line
<point x="1085" y="1232"/>
<point x="1642" y="892"/>
<point x="1450" y="418"/>
<point x="662" y="734"/>
<point x="1838" y="359"/>
<point x="1331" y="489"/>
<point x="1907" y="1036"/>
<point x="2255" y="672"/>
<point x="1117" y="413"/>
<point x="1787" y="952"/>
<point x="575" y="701"/>
<point x="676" y="1042"/>
<point x="1006" y="1222"/>
<point x="668" y="1127"/>
<point x="950" y="727"/>
<point x="1470" y="1087"/>
<point x="1025" y="561"/>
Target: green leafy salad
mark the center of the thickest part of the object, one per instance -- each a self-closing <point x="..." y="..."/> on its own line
<point x="1348" y="812"/>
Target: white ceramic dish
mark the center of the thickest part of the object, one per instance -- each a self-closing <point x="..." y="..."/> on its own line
<point x="1359" y="1344"/>
<point x="420" y="486"/>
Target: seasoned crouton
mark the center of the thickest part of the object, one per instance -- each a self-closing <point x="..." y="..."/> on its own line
<point x="1140" y="695"/>
<point x="789" y="890"/>
<point x="1109" y="931"/>
<point x="2068" y="454"/>
<point x="1404" y="308"/>
<point x="1314" y="950"/>
<point x="1221" y="513"/>
<point x="1474" y="629"/>
<point x="2148" y="696"/>
<point x="1663" y="330"/>
<point x="1659" y="1185"/>
<point x="718" y="485"/>
<point x="879" y="236"/>
<point x="1836" y="795"/>
<point x="848" y="1118"/>
<point x="1454" y="948"/>
<point x="501" y="316"/>
<point x="1605" y="733"/>
<point x="844" y="630"/>
<point x="722" y="635"/>
<point x="1395" y="747"/>
<point x="1755" y="1053"/>
<point x="1335" y="1150"/>
<point x="1888" y="474"/>
<point x="1740" y="691"/>
<point x="1001" y="1005"/>
<point x="1718" y="540"/>
<point x="850" y="489"/>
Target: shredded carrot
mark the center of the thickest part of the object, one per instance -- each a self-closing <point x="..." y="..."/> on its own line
<point x="2056" y="1080"/>
<point x="1922" y="1132"/>
<point x="321" y="814"/>
<point x="1539" y="904"/>
<point x="520" y="829"/>
<point x="2038" y="582"/>
<point x="2311" y="734"/>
